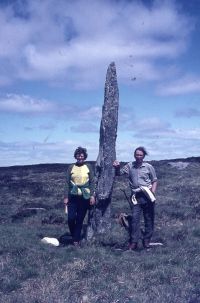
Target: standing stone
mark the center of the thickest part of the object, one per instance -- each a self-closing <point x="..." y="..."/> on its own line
<point x="100" y="216"/>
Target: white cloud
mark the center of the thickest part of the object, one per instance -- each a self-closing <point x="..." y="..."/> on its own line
<point x="71" y="44"/>
<point x="47" y="126"/>
<point x="85" y="128"/>
<point x="80" y="38"/>
<point x="184" y="85"/>
<point x="188" y="113"/>
<point x="25" y="104"/>
<point x="152" y="125"/>
<point x="188" y="134"/>
<point x="145" y="127"/>
<point x="94" y="112"/>
<point x="172" y="148"/>
<point x="172" y="134"/>
<point x="150" y="131"/>
<point x="32" y="152"/>
<point x="180" y="143"/>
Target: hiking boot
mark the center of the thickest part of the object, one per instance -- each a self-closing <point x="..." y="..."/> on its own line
<point x="146" y="244"/>
<point x="132" y="246"/>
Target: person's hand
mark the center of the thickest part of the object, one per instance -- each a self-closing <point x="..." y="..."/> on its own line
<point x="92" y="200"/>
<point x="116" y="164"/>
<point x="66" y="200"/>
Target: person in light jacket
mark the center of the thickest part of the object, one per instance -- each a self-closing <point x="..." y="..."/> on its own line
<point x="79" y="193"/>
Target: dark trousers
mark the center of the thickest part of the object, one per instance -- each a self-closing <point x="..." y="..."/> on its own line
<point x="146" y="207"/>
<point x="77" y="209"/>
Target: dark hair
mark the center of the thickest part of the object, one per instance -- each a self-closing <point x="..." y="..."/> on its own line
<point x="142" y="149"/>
<point x="81" y="150"/>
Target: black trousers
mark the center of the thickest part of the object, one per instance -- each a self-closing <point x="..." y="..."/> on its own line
<point x="77" y="209"/>
<point x="146" y="207"/>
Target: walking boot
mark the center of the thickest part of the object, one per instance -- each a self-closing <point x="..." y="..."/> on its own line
<point x="146" y="244"/>
<point x="132" y="246"/>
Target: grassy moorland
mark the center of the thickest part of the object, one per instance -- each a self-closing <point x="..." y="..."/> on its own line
<point x="102" y="272"/>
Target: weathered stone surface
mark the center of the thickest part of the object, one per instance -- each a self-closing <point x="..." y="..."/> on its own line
<point x="105" y="173"/>
<point x="108" y="135"/>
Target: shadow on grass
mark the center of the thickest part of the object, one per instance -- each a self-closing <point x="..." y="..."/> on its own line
<point x="65" y="239"/>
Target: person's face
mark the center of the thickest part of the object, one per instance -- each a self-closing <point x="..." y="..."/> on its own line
<point x="80" y="158"/>
<point x="139" y="156"/>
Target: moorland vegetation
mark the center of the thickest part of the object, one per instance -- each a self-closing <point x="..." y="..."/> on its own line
<point x="31" y="207"/>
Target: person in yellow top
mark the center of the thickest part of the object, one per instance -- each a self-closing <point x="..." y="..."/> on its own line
<point x="79" y="193"/>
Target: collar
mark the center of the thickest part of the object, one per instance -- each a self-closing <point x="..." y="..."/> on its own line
<point x="142" y="165"/>
<point x="79" y="164"/>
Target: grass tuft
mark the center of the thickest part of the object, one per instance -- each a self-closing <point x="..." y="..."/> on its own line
<point x="102" y="271"/>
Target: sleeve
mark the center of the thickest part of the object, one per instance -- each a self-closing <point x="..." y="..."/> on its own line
<point x="91" y="180"/>
<point x="122" y="171"/>
<point x="67" y="181"/>
<point x="153" y="176"/>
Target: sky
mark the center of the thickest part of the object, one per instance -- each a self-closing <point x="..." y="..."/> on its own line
<point x="54" y="55"/>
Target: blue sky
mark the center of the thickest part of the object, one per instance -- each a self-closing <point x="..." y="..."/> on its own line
<point x="53" y="60"/>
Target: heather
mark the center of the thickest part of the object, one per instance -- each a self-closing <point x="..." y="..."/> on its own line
<point x="101" y="271"/>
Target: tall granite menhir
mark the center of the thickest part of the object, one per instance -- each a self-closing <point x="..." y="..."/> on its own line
<point x="105" y="173"/>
